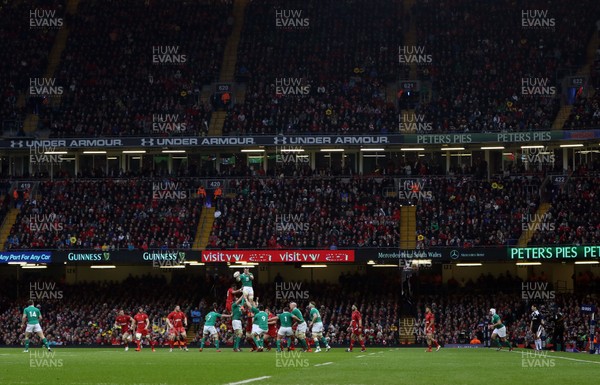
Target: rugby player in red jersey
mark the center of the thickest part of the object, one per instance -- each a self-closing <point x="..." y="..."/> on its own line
<point x="177" y="322"/>
<point x="271" y="335"/>
<point x="125" y="323"/>
<point x="430" y="329"/>
<point x="231" y="292"/>
<point x="356" y="329"/>
<point x="142" y="329"/>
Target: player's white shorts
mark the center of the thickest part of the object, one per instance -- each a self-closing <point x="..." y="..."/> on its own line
<point x="500" y="332"/>
<point x="248" y="290"/>
<point x="540" y="331"/>
<point x="257" y="330"/>
<point x="209" y="330"/>
<point x="33" y="328"/>
<point x="317" y="327"/>
<point x="285" y="331"/>
<point x="301" y="328"/>
<point x="237" y="324"/>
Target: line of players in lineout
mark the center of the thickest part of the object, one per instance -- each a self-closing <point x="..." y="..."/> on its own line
<point x="262" y="330"/>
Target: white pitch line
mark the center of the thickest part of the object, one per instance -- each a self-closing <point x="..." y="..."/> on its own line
<point x="575" y="359"/>
<point x="249" y="380"/>
<point x="371" y="354"/>
<point x="359" y="356"/>
<point x="562" y="358"/>
<point x="324" y="363"/>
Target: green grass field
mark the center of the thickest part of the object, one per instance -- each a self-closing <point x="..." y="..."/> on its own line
<point x="377" y="366"/>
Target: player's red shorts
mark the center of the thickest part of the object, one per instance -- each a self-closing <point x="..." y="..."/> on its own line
<point x="272" y="333"/>
<point x="228" y="306"/>
<point x="143" y="332"/>
<point x="125" y="330"/>
<point x="177" y="330"/>
<point x="430" y="331"/>
<point x="356" y="332"/>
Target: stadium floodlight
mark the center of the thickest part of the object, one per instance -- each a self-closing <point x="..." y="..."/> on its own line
<point x="529" y="263"/>
<point x="90" y="152"/>
<point x="252" y="150"/>
<point x="134" y="151"/>
<point x="55" y="153"/>
<point x="412" y="149"/>
<point x="173" y="151"/>
<point x="194" y="263"/>
<point x="173" y="267"/>
<point x="571" y="145"/>
<point x="426" y="262"/>
<point x="34" y="266"/>
<point x="291" y="150"/>
<point x="492" y="148"/>
<point x="17" y="263"/>
<point x="372" y="149"/>
<point x="315" y="266"/>
<point x="371" y="262"/>
<point x="587" y="262"/>
<point x="386" y="265"/>
<point x="103" y="267"/>
<point x="332" y="150"/>
<point x="531" y="147"/>
<point x="245" y="265"/>
<point x="469" y="264"/>
<point x="452" y="149"/>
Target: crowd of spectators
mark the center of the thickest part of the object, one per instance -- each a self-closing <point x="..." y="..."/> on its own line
<point x="481" y="53"/>
<point x="129" y="65"/>
<point x="20" y="22"/>
<point x="572" y="217"/>
<point x="341" y="56"/>
<point x="108" y="215"/>
<point x="586" y="109"/>
<point x="468" y="213"/>
<point x="327" y="212"/>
